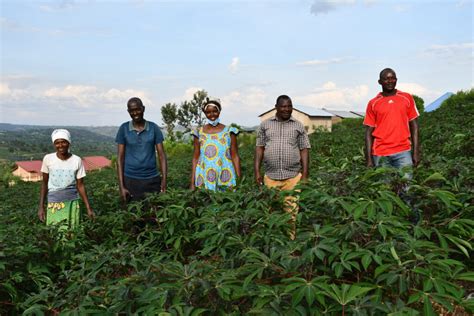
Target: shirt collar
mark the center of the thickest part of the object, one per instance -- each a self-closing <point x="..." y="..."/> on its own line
<point x="132" y="128"/>
<point x="274" y="118"/>
<point x="380" y="95"/>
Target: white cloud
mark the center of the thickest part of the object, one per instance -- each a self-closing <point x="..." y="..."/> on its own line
<point x="462" y="3"/>
<point x="419" y="90"/>
<point x="450" y="49"/>
<point x="242" y="106"/>
<point x="460" y="53"/>
<point x="400" y="8"/>
<point x="88" y="96"/>
<point x="59" y="5"/>
<point x="325" y="6"/>
<point x="186" y="96"/>
<point x="38" y="103"/>
<point x="319" y="62"/>
<point x="189" y="93"/>
<point x="330" y="96"/>
<point x="4" y="89"/>
<point x="234" y="65"/>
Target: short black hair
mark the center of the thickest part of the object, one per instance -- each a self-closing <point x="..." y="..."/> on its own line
<point x="385" y="70"/>
<point x="135" y="100"/>
<point x="282" y="98"/>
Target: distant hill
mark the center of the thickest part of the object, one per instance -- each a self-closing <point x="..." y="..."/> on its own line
<point x="110" y="131"/>
<point x="26" y="142"/>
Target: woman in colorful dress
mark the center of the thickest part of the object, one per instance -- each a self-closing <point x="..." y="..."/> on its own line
<point x="63" y="175"/>
<point x="216" y="162"/>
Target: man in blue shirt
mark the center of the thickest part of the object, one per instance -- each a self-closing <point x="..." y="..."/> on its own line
<point x="138" y="141"/>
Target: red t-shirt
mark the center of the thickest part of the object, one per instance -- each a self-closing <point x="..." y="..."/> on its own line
<point x="390" y="116"/>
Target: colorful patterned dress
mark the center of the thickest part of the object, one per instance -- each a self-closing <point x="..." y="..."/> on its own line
<point x="215" y="169"/>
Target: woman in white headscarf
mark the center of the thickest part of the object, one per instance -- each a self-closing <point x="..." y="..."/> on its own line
<point x="63" y="175"/>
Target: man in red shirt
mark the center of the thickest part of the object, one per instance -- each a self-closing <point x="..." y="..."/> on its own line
<point x="392" y="127"/>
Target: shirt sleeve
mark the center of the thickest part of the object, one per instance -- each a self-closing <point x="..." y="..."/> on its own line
<point x="158" y="135"/>
<point x="195" y="132"/>
<point x="260" y="136"/>
<point x="303" y="139"/>
<point x="234" y="130"/>
<point x="120" y="138"/>
<point x="44" y="165"/>
<point x="81" y="171"/>
<point x="369" y="119"/>
<point x="412" y="111"/>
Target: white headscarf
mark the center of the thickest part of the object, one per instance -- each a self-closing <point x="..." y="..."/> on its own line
<point x="61" y="134"/>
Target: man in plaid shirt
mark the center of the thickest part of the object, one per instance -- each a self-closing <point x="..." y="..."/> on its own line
<point x="282" y="144"/>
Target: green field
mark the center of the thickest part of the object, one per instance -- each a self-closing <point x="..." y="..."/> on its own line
<point x="202" y="253"/>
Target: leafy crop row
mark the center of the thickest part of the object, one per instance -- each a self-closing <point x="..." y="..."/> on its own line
<point x="192" y="253"/>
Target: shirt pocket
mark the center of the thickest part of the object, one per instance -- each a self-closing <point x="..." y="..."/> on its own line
<point x="290" y="136"/>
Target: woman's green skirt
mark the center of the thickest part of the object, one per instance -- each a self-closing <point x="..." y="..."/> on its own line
<point x="67" y="213"/>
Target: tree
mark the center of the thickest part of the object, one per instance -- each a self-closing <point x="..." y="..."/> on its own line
<point x="169" y="114"/>
<point x="190" y="112"/>
<point x="420" y="104"/>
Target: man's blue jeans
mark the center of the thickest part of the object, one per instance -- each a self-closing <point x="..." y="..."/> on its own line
<point x="402" y="161"/>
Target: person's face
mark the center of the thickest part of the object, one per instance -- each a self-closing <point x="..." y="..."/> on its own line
<point x="388" y="81"/>
<point x="62" y="146"/>
<point x="212" y="112"/>
<point x="284" y="110"/>
<point x="136" y="112"/>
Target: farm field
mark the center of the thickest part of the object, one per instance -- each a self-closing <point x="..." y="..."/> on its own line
<point x="357" y="251"/>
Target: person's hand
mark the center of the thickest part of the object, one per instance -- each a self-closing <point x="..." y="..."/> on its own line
<point x="258" y="178"/>
<point x="192" y="187"/>
<point x="304" y="179"/>
<point x="41" y="213"/>
<point x="163" y="186"/>
<point x="91" y="214"/>
<point x="124" y="194"/>
<point x="416" y="158"/>
<point x="370" y="163"/>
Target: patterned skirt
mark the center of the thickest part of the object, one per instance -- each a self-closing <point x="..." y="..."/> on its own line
<point x="67" y="213"/>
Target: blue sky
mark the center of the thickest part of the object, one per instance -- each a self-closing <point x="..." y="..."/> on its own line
<point x="78" y="62"/>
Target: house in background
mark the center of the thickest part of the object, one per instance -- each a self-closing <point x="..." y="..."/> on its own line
<point x="361" y="114"/>
<point x="437" y="103"/>
<point x="31" y="170"/>
<point x="340" y="115"/>
<point x="95" y="162"/>
<point x="28" y="170"/>
<point x="311" y="118"/>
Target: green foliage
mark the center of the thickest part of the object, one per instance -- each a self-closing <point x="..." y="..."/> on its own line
<point x="190" y="112"/>
<point x="169" y="114"/>
<point x="205" y="253"/>
<point x="6" y="176"/>
<point x="420" y="104"/>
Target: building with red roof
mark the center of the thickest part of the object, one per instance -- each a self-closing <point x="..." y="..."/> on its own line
<point x="31" y="170"/>
<point x="28" y="170"/>
<point x="95" y="162"/>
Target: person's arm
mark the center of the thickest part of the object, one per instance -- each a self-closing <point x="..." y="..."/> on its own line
<point x="82" y="192"/>
<point x="124" y="193"/>
<point x="163" y="165"/>
<point x="369" y="141"/>
<point x="196" y="154"/>
<point x="259" y="151"/>
<point x="414" y="131"/>
<point x="304" y="156"/>
<point x="43" y="193"/>
<point x="234" y="153"/>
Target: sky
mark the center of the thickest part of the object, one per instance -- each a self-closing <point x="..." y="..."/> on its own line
<point x="77" y="63"/>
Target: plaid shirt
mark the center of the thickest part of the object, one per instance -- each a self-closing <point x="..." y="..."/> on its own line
<point x="283" y="141"/>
